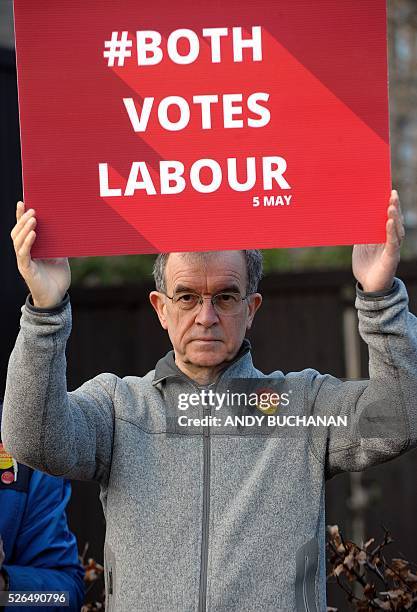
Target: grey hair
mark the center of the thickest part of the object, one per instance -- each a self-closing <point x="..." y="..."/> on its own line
<point x="253" y="260"/>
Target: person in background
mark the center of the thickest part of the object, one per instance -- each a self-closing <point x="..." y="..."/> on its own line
<point x="38" y="552"/>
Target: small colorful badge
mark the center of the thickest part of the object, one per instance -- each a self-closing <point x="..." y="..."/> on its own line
<point x="6" y="460"/>
<point x="268" y="400"/>
<point x="7" y="477"/>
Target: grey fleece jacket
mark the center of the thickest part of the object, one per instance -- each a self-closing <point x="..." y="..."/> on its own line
<point x="211" y="518"/>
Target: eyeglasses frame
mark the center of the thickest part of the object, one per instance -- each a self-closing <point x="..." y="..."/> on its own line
<point x="202" y="298"/>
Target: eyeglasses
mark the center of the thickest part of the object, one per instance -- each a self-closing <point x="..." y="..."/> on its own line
<point x="224" y="303"/>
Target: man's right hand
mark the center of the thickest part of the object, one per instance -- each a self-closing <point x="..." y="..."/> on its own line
<point x="48" y="279"/>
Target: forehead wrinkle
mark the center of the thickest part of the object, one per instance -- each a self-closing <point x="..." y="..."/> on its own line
<point x="226" y="286"/>
<point x="196" y="274"/>
<point x="201" y="283"/>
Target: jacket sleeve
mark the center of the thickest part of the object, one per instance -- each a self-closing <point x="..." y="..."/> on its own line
<point x="45" y="555"/>
<point x="44" y="426"/>
<point x="380" y="412"/>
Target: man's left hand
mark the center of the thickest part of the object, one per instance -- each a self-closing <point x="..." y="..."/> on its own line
<point x="374" y="265"/>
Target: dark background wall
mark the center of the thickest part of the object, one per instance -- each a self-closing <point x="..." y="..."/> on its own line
<point x="12" y="288"/>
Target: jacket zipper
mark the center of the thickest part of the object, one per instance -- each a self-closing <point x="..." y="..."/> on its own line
<point x="206" y="503"/>
<point x="206" y="497"/>
<point x="110" y="582"/>
<point x="304" y="584"/>
<point x="206" y="511"/>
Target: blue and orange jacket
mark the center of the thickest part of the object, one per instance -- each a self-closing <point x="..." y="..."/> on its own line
<point x="40" y="551"/>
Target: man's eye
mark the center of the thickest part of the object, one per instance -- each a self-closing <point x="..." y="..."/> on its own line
<point x="227" y="297"/>
<point x="187" y="297"/>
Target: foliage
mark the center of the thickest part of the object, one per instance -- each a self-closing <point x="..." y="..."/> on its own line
<point x="116" y="270"/>
<point x="91" y="271"/>
<point x="93" y="578"/>
<point x="370" y="581"/>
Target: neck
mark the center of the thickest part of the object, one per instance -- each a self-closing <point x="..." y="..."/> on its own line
<point x="207" y="375"/>
<point x="200" y="375"/>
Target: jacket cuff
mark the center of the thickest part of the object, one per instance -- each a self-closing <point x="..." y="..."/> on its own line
<point x="53" y="310"/>
<point x="377" y="295"/>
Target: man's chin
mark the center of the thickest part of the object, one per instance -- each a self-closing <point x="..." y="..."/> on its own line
<point x="207" y="354"/>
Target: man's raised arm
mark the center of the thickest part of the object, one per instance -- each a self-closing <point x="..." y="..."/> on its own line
<point x="381" y="412"/>
<point x="43" y="425"/>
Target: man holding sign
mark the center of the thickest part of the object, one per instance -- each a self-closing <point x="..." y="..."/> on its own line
<point x="198" y="521"/>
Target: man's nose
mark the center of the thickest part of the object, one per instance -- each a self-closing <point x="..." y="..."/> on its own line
<point x="207" y="314"/>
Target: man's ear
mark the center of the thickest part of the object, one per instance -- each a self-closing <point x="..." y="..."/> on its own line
<point x="254" y="302"/>
<point x="157" y="300"/>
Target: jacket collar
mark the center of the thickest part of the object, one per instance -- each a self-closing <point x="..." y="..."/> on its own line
<point x="167" y="368"/>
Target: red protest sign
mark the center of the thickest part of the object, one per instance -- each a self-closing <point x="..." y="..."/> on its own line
<point x="221" y="126"/>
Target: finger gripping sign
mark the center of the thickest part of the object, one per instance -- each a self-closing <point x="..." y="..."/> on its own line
<point x="209" y="126"/>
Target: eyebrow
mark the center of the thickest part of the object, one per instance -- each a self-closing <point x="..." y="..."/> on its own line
<point x="184" y="289"/>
